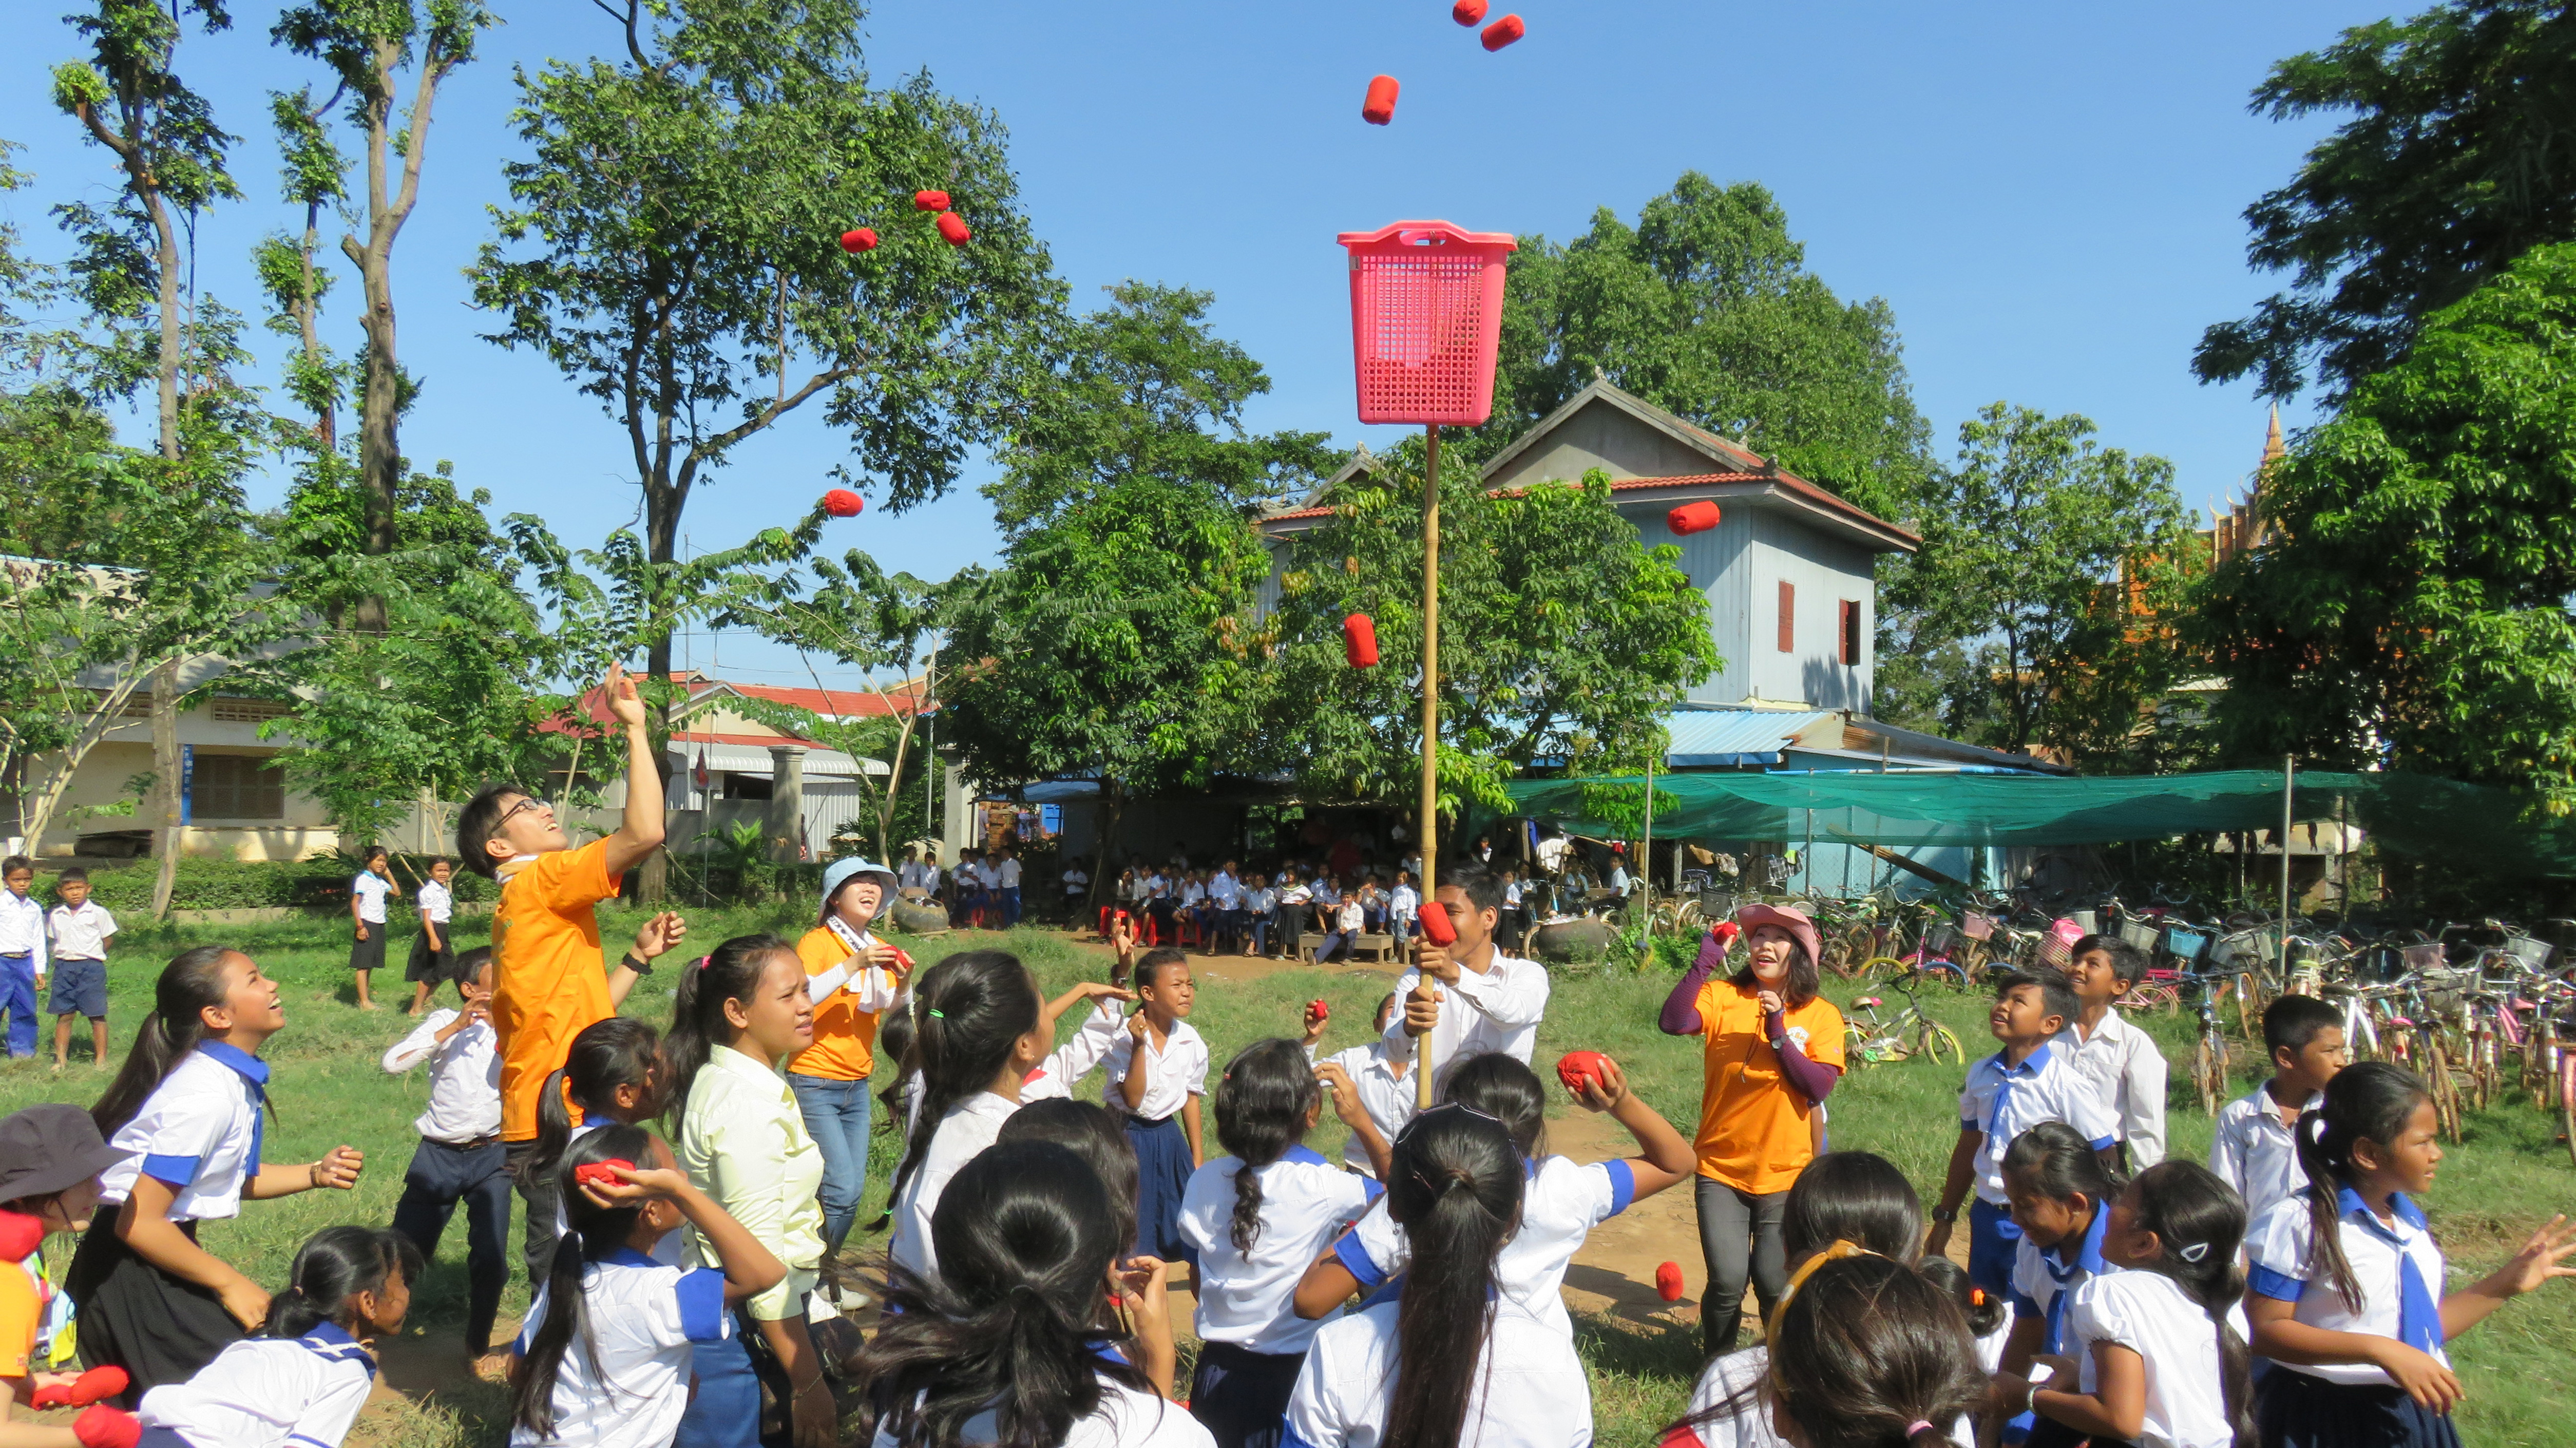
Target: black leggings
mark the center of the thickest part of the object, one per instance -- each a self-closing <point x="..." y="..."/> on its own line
<point x="1739" y="1237"/>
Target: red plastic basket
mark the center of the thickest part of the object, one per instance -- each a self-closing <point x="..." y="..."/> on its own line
<point x="1426" y="313"/>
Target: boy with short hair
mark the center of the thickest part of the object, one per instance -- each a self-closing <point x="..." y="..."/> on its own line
<point x="461" y="1159"/>
<point x="2256" y="1147"/>
<point x="547" y="982"/>
<point x="22" y="952"/>
<point x="79" y="929"/>
<point x="2008" y="1093"/>
<point x="2120" y="1060"/>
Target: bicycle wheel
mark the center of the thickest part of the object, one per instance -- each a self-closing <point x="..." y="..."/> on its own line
<point x="1941" y="1038"/>
<point x="2567" y="1100"/>
<point x="2249" y="1006"/>
<point x="2444" y="1090"/>
<point x="2209" y="1071"/>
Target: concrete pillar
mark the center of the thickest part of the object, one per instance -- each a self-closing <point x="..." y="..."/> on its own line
<point x="786" y="822"/>
<point x="963" y="827"/>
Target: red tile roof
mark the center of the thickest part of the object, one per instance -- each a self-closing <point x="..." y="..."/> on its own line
<point x="1787" y="482"/>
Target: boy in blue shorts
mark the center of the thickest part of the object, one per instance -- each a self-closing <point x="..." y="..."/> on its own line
<point x="2007" y="1094"/>
<point x="80" y="929"/>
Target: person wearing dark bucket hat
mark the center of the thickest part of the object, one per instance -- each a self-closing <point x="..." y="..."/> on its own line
<point x="1772" y="1050"/>
<point x="48" y="1150"/>
<point x="51" y="1157"/>
<point x="854" y="978"/>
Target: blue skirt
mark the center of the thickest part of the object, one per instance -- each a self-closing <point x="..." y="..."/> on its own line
<point x="2293" y="1409"/>
<point x="1162" y="1174"/>
<point x="1241" y="1396"/>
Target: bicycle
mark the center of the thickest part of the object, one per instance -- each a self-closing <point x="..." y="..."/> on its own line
<point x="2209" y="1053"/>
<point x="1907" y="1034"/>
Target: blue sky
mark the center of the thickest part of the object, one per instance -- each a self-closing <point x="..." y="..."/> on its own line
<point x="2048" y="195"/>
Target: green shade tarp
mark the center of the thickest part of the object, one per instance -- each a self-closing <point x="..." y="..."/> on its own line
<point x="2465" y="824"/>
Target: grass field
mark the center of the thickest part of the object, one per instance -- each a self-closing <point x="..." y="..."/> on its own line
<point x="2509" y="1175"/>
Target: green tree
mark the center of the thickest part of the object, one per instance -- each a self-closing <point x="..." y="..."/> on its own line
<point x="1563" y="637"/>
<point x="2412" y="609"/>
<point x="2457" y="158"/>
<point x="1705" y="307"/>
<point x="312" y="174"/>
<point x="673" y="239"/>
<point x="2036" y="611"/>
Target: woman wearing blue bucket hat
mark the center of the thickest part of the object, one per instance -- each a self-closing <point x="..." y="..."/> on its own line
<point x="854" y="977"/>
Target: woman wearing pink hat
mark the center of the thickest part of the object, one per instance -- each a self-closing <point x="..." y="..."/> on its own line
<point x="1773" y="1049"/>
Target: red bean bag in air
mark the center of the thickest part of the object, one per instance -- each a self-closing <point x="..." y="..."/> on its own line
<point x="1696" y="517"/>
<point x="930" y="201"/>
<point x="1467" y="12"/>
<point x="1379" y="107"/>
<point x="953" y="226"/>
<point x="842" y="503"/>
<point x="1668" y="1281"/>
<point x="862" y="239"/>
<point x="1359" y="641"/>
<point x="1504" y="31"/>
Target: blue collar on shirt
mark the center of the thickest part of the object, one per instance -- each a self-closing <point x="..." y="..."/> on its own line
<point x="626" y="1257"/>
<point x="2031" y="1064"/>
<point x="2088" y="1256"/>
<point x="331" y="1340"/>
<point x="255" y="1071"/>
<point x="2419" y="1312"/>
<point x="1304" y="1155"/>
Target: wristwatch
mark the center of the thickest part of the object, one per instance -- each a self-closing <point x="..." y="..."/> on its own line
<point x="640" y="967"/>
<point x="1945" y="1215"/>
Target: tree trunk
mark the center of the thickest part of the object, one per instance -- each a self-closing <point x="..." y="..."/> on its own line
<point x="1113" y="805"/>
<point x="166" y="783"/>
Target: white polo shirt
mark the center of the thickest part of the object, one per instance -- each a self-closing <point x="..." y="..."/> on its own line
<point x="970" y="1126"/>
<point x="1173" y="1074"/>
<point x="370" y="890"/>
<point x="1246" y="1298"/>
<point x="630" y="1388"/>
<point x="1066" y="1065"/>
<point x="199" y="1131"/>
<point x="2279" y="1246"/>
<point x="436" y="901"/>
<point x="1530" y="1388"/>
<point x="464" y="1078"/>
<point x="1227" y="891"/>
<point x="1125" y="1418"/>
<point x="1405" y="902"/>
<point x="2128" y="1072"/>
<point x="2040" y="1277"/>
<point x="1498" y="1010"/>
<point x="1007" y="874"/>
<point x="2253" y="1152"/>
<point x="22" y="927"/>
<point x="2148" y="1313"/>
<point x="264" y="1392"/>
<point x="1076" y="882"/>
<point x="81" y="934"/>
<point x="1389" y="1098"/>
<point x="1560" y="1206"/>
<point x="2005" y="1101"/>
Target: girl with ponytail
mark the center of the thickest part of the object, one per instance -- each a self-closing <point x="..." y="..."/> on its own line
<point x="614" y="1075"/>
<point x="304" y="1378"/>
<point x="1256" y="1218"/>
<point x="1001" y="1347"/>
<point x="1868" y="1353"/>
<point x="2160" y="1362"/>
<point x="1454" y="1360"/>
<point x="607" y="1350"/>
<point x="191" y="1106"/>
<point x="978" y="1028"/>
<point x="2061" y="1194"/>
<point x="2347" y="1281"/>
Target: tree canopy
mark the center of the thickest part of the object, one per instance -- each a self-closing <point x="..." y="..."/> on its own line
<point x="2413" y="607"/>
<point x="2459" y="156"/>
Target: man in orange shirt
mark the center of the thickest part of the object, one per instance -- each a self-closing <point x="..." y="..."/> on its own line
<point x="547" y="977"/>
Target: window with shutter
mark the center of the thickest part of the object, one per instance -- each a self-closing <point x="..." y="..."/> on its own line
<point x="1851" y="632"/>
<point x="1788" y="617"/>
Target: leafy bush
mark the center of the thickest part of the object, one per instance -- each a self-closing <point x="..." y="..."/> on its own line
<point x="205" y="884"/>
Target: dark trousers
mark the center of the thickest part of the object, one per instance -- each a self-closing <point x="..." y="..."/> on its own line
<point x="1739" y="1239"/>
<point x="537" y="1242"/>
<point x="1240" y="1396"/>
<point x="441" y="1177"/>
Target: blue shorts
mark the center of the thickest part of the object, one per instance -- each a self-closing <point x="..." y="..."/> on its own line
<point x="1993" y="1242"/>
<point x="80" y="988"/>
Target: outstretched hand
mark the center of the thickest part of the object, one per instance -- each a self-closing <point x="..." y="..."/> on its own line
<point x="623" y="701"/>
<point x="2541" y="1258"/>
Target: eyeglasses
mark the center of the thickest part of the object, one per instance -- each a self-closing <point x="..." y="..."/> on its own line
<point x="527" y="802"/>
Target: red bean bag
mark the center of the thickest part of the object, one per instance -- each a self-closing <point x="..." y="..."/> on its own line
<point x="1696" y="517"/>
<point x="842" y="503"/>
<point x="1359" y="641"/>
<point x="953" y="226"/>
<point x="1379" y="107"/>
<point x="1504" y="31"/>
<point x="862" y="239"/>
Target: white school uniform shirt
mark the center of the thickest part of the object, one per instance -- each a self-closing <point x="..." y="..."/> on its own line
<point x="970" y="1126"/>
<point x="464" y="1078"/>
<point x="371" y="888"/>
<point x="1737" y="1378"/>
<point x="630" y="1388"/>
<point x="1065" y="1066"/>
<point x="2005" y="1101"/>
<point x="1125" y="1418"/>
<point x="2279" y="1247"/>
<point x="1295" y="893"/>
<point x="2128" y="1072"/>
<point x="1560" y="1206"/>
<point x="671" y="1249"/>
<point x="1193" y="892"/>
<point x="198" y="1131"/>
<point x="2040" y="1278"/>
<point x="1406" y="902"/>
<point x="1174" y="1073"/>
<point x="266" y="1392"/>
<point x="22" y="928"/>
<point x="81" y="934"/>
<point x="1512" y="893"/>
<point x="914" y="875"/>
<point x="1248" y="1298"/>
<point x="1389" y="1098"/>
<point x="1226" y="891"/>
<point x="1496" y="1011"/>
<point x="1261" y="901"/>
<point x="1008" y="875"/>
<point x="2253" y="1152"/>
<point x="1530" y="1389"/>
<point x="1350" y="917"/>
<point x="2150" y="1315"/>
<point x="1076" y="882"/>
<point x="436" y="902"/>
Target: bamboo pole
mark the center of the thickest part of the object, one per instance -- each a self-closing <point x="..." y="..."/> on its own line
<point x="1646" y="857"/>
<point x="1430" y="826"/>
<point x="2289" y="797"/>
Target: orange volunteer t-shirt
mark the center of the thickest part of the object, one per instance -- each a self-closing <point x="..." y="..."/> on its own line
<point x="548" y="975"/>
<point x="22" y="1317"/>
<point x="845" y="1037"/>
<point x="1756" y="1131"/>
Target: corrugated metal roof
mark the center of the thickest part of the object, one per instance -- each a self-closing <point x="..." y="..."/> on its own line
<point x="1733" y="738"/>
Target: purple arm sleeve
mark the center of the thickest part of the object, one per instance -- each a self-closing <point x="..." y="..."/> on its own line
<point x="1811" y="1079"/>
<point x="1681" y="1009"/>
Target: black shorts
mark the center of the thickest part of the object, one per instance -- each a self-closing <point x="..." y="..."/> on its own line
<point x="368" y="954"/>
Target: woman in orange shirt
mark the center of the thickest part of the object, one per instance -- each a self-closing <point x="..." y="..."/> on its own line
<point x="854" y="977"/>
<point x="1773" y="1049"/>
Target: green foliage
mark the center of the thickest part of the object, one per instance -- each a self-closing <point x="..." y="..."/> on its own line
<point x="2414" y="611"/>
<point x="211" y="884"/>
<point x="1622" y="807"/>
<point x="1563" y="637"/>
<point x="2019" y="623"/>
<point x="2457" y="158"/>
<point x="1705" y="308"/>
